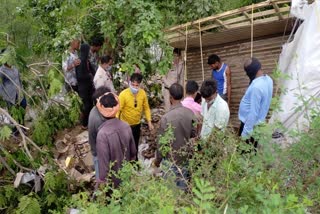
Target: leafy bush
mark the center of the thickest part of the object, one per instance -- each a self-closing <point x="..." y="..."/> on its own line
<point x="55" y="118"/>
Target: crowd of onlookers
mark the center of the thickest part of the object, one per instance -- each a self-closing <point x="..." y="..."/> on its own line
<point x="114" y="120"/>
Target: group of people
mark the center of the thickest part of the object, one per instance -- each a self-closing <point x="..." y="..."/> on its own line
<point x="114" y="122"/>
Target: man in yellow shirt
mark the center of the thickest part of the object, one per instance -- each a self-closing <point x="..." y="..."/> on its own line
<point x="133" y="102"/>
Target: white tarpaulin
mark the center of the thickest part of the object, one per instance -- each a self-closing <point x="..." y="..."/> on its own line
<point x="300" y="60"/>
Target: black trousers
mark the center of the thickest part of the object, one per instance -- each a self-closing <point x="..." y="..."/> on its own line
<point x="85" y="93"/>
<point x="136" y="134"/>
<point x="250" y="141"/>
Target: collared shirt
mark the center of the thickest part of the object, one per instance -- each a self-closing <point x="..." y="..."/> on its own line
<point x="182" y="121"/>
<point x="115" y="143"/>
<point x="103" y="78"/>
<point x="68" y="60"/>
<point x="255" y="104"/>
<point x="217" y="116"/>
<point x="189" y="103"/>
<point x="10" y="91"/>
<point x="95" y="121"/>
<point x="131" y="113"/>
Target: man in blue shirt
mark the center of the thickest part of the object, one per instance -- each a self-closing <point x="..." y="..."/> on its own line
<point x="255" y="104"/>
<point x="222" y="75"/>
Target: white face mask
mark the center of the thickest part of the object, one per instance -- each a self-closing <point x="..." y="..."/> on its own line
<point x="133" y="89"/>
<point x="109" y="68"/>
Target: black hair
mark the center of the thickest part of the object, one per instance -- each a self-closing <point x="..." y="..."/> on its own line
<point x="105" y="59"/>
<point x="192" y="87"/>
<point x="136" y="77"/>
<point x="177" y="51"/>
<point x="208" y="88"/>
<point x="213" y="59"/>
<point x="84" y="53"/>
<point x="197" y="99"/>
<point x="108" y="101"/>
<point x="100" y="91"/>
<point x="96" y="41"/>
<point x="176" y="91"/>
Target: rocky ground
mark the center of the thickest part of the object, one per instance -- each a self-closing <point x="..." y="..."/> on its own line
<point x="72" y="150"/>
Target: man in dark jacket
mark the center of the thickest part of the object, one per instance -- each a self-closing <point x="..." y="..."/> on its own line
<point x="115" y="142"/>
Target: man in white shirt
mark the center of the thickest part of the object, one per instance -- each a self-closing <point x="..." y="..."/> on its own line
<point x="69" y="63"/>
<point x="215" y="110"/>
<point x="103" y="77"/>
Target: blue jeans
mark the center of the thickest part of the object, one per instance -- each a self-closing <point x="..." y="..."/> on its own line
<point x="181" y="177"/>
<point x="96" y="166"/>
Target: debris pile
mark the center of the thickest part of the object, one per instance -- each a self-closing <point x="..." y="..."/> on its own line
<point x="150" y="137"/>
<point x="74" y="157"/>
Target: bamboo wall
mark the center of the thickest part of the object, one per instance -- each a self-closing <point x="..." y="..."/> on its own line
<point x="267" y="50"/>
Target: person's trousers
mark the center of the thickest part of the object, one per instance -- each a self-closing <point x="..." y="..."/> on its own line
<point x="96" y="167"/>
<point x="136" y="134"/>
<point x="85" y="93"/>
<point x="181" y="175"/>
<point x="250" y="141"/>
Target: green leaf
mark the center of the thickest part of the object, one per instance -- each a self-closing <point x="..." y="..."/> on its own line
<point x="5" y="133"/>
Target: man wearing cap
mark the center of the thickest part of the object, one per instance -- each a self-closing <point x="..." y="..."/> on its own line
<point x="255" y="104"/>
<point x="115" y="142"/>
<point x="95" y="121"/>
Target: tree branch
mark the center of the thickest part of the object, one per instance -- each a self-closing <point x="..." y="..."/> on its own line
<point x="20" y="131"/>
<point x="3" y="161"/>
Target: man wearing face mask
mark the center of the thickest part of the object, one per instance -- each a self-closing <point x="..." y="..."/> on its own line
<point x="255" y="104"/>
<point x="215" y="110"/>
<point x="133" y="103"/>
<point x="103" y="77"/>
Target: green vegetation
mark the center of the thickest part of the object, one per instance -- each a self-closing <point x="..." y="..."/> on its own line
<point x="223" y="180"/>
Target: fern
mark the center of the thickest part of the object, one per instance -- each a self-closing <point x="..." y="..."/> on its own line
<point x="55" y="87"/>
<point x="204" y="194"/>
<point x="9" y="56"/>
<point x="165" y="140"/>
<point x="42" y="133"/>
<point x="55" y="81"/>
<point x="5" y="133"/>
<point x="75" y="109"/>
<point x="17" y="112"/>
<point x="29" y="205"/>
